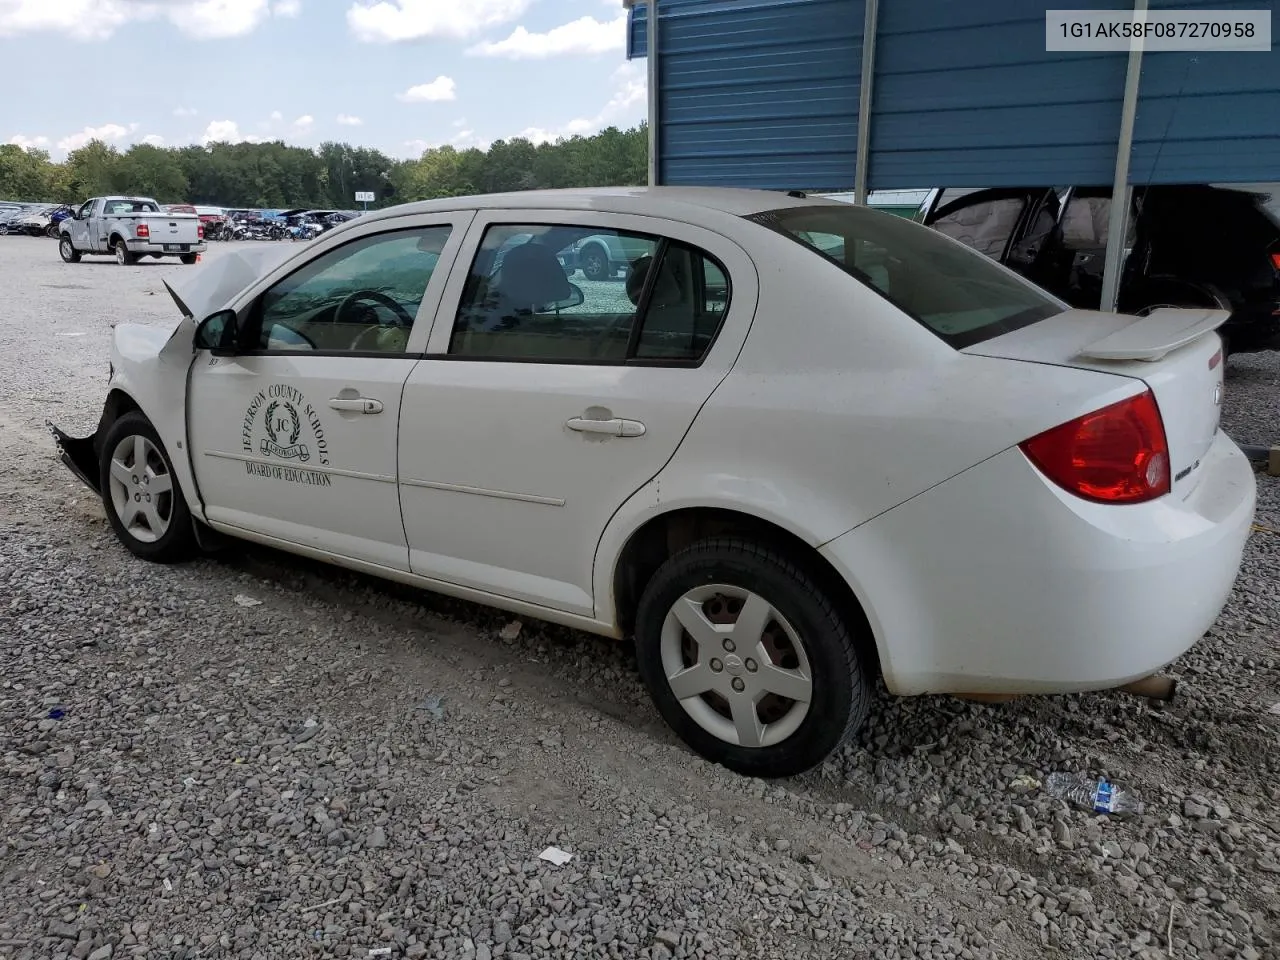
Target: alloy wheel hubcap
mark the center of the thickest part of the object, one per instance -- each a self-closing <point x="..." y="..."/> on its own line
<point x="736" y="666"/>
<point x="141" y="488"/>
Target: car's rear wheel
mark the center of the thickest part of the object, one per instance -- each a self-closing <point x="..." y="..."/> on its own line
<point x="749" y="659"/>
<point x="594" y="261"/>
<point x="189" y="258"/>
<point x="68" y="251"/>
<point x="143" y="500"/>
<point x="123" y="256"/>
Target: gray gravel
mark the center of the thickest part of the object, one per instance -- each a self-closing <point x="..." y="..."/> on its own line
<point x="352" y="766"/>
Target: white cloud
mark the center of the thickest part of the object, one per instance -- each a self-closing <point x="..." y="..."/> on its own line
<point x="441" y="88"/>
<point x="216" y="19"/>
<point x="460" y="122"/>
<point x="153" y="139"/>
<point x="286" y="8"/>
<point x="586" y="35"/>
<point x="346" y="120"/>
<point x="80" y="19"/>
<point x="304" y="122"/>
<point x="185" y="112"/>
<point x="462" y="140"/>
<point x="99" y="19"/>
<point x="624" y="107"/>
<point x="276" y="116"/>
<point x="226" y="131"/>
<point x="108" y="133"/>
<point x="29" y="143"/>
<point x="394" y="21"/>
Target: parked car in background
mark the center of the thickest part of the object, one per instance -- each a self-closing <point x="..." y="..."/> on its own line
<point x="180" y="208"/>
<point x="130" y="228"/>
<point x="12" y="214"/>
<point x="604" y="256"/>
<point x="873" y="453"/>
<point x="1187" y="246"/>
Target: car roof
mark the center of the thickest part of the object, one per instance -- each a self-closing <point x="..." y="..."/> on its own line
<point x="674" y="202"/>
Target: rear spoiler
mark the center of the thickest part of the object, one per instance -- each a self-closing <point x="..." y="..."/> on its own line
<point x="1157" y="334"/>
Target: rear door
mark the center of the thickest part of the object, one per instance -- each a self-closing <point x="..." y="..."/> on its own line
<point x="543" y="404"/>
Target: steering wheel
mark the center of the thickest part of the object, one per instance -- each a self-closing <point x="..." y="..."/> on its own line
<point x="373" y="296"/>
<point x="402" y="319"/>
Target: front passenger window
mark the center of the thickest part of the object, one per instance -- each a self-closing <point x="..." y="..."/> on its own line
<point x="361" y="297"/>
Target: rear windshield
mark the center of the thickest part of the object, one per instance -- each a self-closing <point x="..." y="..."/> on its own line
<point x="955" y="292"/>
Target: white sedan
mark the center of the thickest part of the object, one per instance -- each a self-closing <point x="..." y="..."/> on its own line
<point x="802" y="445"/>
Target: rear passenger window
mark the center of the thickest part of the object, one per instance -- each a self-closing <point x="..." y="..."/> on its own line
<point x="572" y="294"/>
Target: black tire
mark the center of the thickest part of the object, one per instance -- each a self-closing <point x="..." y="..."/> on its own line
<point x="594" y="262"/>
<point x="123" y="256"/>
<point x="51" y="231"/>
<point x="842" y="685"/>
<point x="178" y="541"/>
<point x="67" y="250"/>
<point x="189" y="258"/>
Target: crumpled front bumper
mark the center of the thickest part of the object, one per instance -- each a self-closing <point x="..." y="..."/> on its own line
<point x="80" y="454"/>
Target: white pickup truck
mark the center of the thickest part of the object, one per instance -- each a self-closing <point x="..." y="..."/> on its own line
<point x="130" y="228"/>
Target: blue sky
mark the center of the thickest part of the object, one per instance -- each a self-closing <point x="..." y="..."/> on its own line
<point x="398" y="75"/>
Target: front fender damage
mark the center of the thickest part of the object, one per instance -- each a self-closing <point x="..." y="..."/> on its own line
<point x="81" y="455"/>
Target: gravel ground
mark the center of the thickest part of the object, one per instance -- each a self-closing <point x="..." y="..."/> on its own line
<point x="350" y="767"/>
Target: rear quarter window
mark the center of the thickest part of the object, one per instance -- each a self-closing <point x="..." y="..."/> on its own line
<point x="958" y="294"/>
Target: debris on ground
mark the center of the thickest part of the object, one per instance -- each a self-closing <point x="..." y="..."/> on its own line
<point x="555" y="855"/>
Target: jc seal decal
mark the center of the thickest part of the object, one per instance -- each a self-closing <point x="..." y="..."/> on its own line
<point x="281" y="424"/>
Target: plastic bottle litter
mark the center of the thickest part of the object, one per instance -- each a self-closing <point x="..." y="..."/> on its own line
<point x="1100" y="796"/>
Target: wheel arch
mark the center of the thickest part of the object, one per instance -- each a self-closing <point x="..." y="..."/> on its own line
<point x="648" y="545"/>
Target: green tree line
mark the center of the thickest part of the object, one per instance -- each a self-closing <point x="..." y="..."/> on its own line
<point x="277" y="175"/>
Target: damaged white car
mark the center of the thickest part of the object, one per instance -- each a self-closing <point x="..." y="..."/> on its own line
<point x="802" y="445"/>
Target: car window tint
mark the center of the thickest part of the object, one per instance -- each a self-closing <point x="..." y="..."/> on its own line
<point x="953" y="291"/>
<point x="527" y="297"/>
<point x="985" y="226"/>
<point x="361" y="297"/>
<point x="689" y="296"/>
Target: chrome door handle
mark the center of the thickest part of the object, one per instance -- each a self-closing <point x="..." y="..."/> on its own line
<point x="616" y="427"/>
<point x="356" y="404"/>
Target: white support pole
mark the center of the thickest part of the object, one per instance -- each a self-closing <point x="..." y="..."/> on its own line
<point x="651" y="62"/>
<point x="869" y="24"/>
<point x="1121" y="192"/>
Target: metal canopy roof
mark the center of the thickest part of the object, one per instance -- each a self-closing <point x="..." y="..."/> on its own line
<point x="766" y="93"/>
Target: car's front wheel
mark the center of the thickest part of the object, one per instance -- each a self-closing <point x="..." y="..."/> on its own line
<point x="141" y="494"/>
<point x="749" y="659"/>
<point x="68" y="251"/>
<point x="594" y="261"/>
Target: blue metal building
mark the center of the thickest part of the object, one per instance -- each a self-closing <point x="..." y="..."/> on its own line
<point x="788" y="94"/>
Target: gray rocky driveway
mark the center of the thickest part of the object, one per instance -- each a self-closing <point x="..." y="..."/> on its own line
<point x="351" y="768"/>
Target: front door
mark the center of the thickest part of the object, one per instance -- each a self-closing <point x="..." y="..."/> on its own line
<point x="294" y="437"/>
<point x="547" y="398"/>
<point x="78" y="227"/>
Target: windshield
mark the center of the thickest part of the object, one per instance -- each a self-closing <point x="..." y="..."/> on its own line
<point x="953" y="291"/>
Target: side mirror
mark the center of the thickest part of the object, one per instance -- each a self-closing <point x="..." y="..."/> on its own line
<point x="217" y="332"/>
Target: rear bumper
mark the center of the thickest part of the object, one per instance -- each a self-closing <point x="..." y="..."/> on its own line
<point x="997" y="581"/>
<point x="147" y="247"/>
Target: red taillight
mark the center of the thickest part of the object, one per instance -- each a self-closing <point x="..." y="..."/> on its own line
<point x="143" y="231"/>
<point x="1118" y="454"/>
<point x="200" y="231"/>
<point x="1275" y="260"/>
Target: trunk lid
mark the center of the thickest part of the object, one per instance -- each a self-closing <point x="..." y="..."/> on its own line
<point x="1176" y="352"/>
